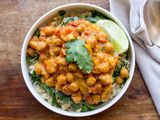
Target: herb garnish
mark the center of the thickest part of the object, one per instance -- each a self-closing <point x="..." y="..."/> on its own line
<point x="78" y="53"/>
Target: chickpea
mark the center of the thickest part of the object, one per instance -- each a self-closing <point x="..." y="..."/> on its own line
<point x="54" y="51"/>
<point x="108" y="47"/>
<point x="42" y="57"/>
<point x="61" y="79"/>
<point x="96" y="89"/>
<point x="73" y="86"/>
<point x="104" y="97"/>
<point x="66" y="90"/>
<point x="38" y="45"/>
<point x="56" y="41"/>
<point x="41" y="45"/>
<point x="63" y="52"/>
<point x="58" y="86"/>
<point x="102" y="37"/>
<point x="48" y="30"/>
<point x="78" y="75"/>
<point x="100" y="56"/>
<point x="60" y="60"/>
<point x="77" y="97"/>
<point x="88" y="46"/>
<point x="124" y="72"/>
<point x="31" y="52"/>
<point x="97" y="48"/>
<point x="46" y="75"/>
<point x="69" y="77"/>
<point x="91" y="81"/>
<point x="106" y="79"/>
<point x="104" y="67"/>
<point x="96" y="61"/>
<point x="119" y="80"/>
<point x="49" y="82"/>
<point x="39" y="68"/>
<point x="108" y="89"/>
<point x="112" y="62"/>
<point x="96" y="99"/>
<point x="72" y="67"/>
<point x="81" y="28"/>
<point x="50" y="65"/>
<point x="63" y="69"/>
<point x="92" y="41"/>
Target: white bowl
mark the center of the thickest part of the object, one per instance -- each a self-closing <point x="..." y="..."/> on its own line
<point x="24" y="68"/>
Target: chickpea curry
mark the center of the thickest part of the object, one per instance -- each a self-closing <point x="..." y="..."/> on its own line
<point x="73" y="60"/>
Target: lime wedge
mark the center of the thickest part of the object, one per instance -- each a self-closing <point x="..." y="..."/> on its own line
<point x="117" y="36"/>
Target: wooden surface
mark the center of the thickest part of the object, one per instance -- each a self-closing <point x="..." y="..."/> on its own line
<point x="17" y="103"/>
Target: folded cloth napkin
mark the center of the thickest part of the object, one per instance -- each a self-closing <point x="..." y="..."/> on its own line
<point x="132" y="14"/>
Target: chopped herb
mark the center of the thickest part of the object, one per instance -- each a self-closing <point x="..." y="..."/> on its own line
<point x="78" y="53"/>
<point x="90" y="107"/>
<point x="34" y="77"/>
<point x="60" y="95"/>
<point x="48" y="89"/>
<point x="32" y="60"/>
<point x="75" y="106"/>
<point x="67" y="99"/>
<point x="84" y="108"/>
<point x="122" y="63"/>
<point x="62" y="13"/>
<point x="69" y="19"/>
<point x="94" y="17"/>
<point x="37" y="33"/>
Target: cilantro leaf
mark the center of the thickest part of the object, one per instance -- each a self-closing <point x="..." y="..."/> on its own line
<point x="69" y="19"/>
<point x="78" y="53"/>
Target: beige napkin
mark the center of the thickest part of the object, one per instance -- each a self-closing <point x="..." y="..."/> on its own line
<point x="132" y="13"/>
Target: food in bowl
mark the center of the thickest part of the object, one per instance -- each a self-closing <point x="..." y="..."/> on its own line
<point x="75" y="61"/>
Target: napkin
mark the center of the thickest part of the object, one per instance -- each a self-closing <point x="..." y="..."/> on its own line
<point x="132" y="14"/>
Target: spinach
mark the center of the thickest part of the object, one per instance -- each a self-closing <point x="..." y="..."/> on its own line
<point x="34" y="77"/>
<point x="94" y="17"/>
<point x="75" y="106"/>
<point x="60" y="95"/>
<point x="32" y="60"/>
<point x="67" y="99"/>
<point x="90" y="107"/>
<point x="62" y="13"/>
<point x="37" y="33"/>
<point x="84" y="108"/>
<point x="69" y="19"/>
<point x="48" y="89"/>
<point x="122" y="63"/>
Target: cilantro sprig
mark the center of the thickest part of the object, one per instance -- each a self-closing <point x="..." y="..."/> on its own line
<point x="78" y="53"/>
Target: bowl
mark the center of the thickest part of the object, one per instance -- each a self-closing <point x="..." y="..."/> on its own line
<point x="47" y="16"/>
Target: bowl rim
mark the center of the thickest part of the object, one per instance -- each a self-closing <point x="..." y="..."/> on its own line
<point x="25" y="70"/>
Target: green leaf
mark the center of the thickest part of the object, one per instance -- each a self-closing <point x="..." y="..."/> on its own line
<point x="32" y="60"/>
<point x="90" y="107"/>
<point x="34" y="77"/>
<point x="122" y="63"/>
<point x="67" y="99"/>
<point x="37" y="33"/>
<point x="84" y="108"/>
<point x="78" y="53"/>
<point x="60" y="95"/>
<point x="62" y="13"/>
<point x="75" y="106"/>
<point x="69" y="19"/>
<point x="54" y="101"/>
<point x="94" y="17"/>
